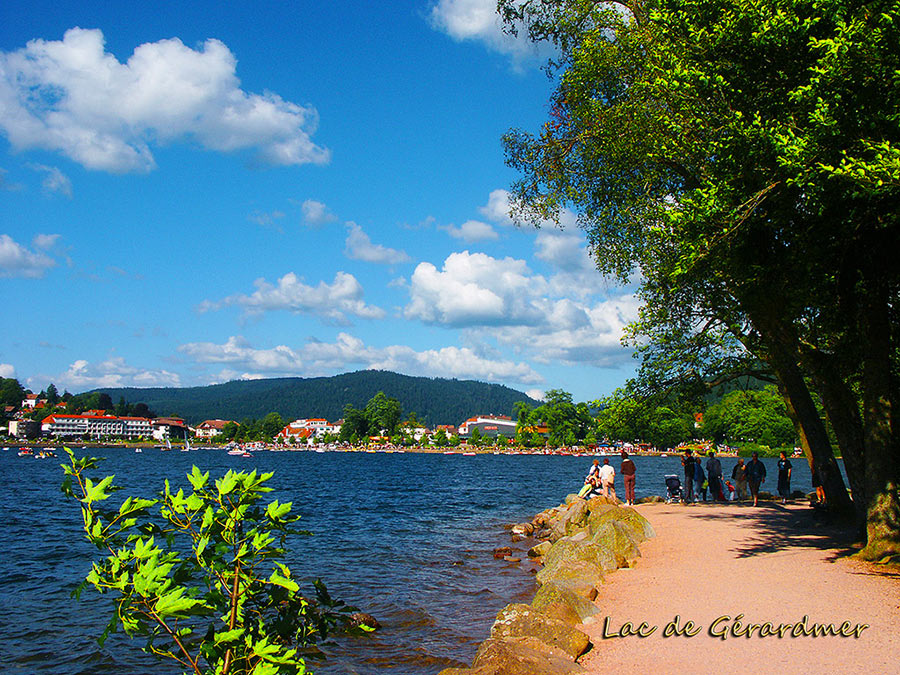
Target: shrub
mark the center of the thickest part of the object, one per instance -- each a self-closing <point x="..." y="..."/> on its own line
<point x="202" y="579"/>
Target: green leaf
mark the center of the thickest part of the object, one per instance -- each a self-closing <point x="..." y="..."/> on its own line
<point x="96" y="493"/>
<point x="197" y="479"/>
<point x="174" y="602"/>
<point x="207" y="518"/>
<point x="276" y="510"/>
<point x="228" y="636"/>
<point x="227" y="483"/>
<point x="284" y="582"/>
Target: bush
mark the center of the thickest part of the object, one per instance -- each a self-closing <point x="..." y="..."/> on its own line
<point x="202" y="579"/>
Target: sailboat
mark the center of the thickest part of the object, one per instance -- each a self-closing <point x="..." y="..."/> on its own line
<point x="168" y="447"/>
<point x="187" y="441"/>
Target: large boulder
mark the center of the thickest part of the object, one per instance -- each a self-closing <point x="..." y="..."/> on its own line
<point x="581" y="576"/>
<point x="552" y="593"/>
<point x="518" y="656"/>
<point x="561" y="612"/>
<point x="573" y="520"/>
<point x="620" y="539"/>
<point x="584" y="549"/>
<point x="519" y="620"/>
<point x="598" y="501"/>
<point x="640" y="525"/>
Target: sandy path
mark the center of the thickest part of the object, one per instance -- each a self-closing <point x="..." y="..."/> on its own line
<point x="771" y="563"/>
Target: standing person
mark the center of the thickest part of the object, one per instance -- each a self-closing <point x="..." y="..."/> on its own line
<point x="756" y="476"/>
<point x="608" y="478"/>
<point x="714" y="476"/>
<point x="689" y="465"/>
<point x="628" y="469"/>
<point x="784" y="477"/>
<point x="700" y="483"/>
<point x="739" y="476"/>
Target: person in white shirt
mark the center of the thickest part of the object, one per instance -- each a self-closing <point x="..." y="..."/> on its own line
<point x="607" y="479"/>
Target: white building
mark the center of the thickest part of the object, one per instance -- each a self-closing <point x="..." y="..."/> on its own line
<point x="211" y="428"/>
<point x="489" y="425"/>
<point x="310" y="428"/>
<point x="96" y="426"/>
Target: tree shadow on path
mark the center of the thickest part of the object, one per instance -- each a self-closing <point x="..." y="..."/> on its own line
<point x="772" y="528"/>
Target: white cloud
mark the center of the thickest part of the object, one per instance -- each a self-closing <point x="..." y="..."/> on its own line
<point x="114" y="372"/>
<point x="454" y="362"/>
<point x="359" y="246"/>
<point x="7" y="370"/>
<point x="471" y="231"/>
<point x="18" y="261"/>
<point x="45" y="241"/>
<point x="318" y="358"/>
<point x="536" y="394"/>
<point x="74" y="97"/>
<point x="547" y="319"/>
<point x="55" y="181"/>
<point x="497" y="208"/>
<point x="237" y="350"/>
<point x="576" y="334"/>
<point x="333" y="302"/>
<point x="475" y="289"/>
<point x="563" y="250"/>
<point x="478" y="20"/>
<point x="316" y="213"/>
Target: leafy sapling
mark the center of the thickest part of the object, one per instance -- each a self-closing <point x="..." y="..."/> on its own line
<point x="200" y="576"/>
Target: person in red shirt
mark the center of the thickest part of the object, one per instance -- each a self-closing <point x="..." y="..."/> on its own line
<point x="628" y="469"/>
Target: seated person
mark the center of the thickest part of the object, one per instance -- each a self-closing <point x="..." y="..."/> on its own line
<point x="592" y="480"/>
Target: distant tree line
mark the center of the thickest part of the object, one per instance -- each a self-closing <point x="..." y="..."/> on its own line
<point x="755" y="416"/>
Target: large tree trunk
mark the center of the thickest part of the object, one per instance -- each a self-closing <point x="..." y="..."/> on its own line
<point x="842" y="408"/>
<point x="881" y="448"/>
<point x="781" y="347"/>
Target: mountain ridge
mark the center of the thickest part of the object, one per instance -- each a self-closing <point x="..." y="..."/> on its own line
<point x="434" y="400"/>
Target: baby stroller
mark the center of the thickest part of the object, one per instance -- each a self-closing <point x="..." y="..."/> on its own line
<point x="673" y="488"/>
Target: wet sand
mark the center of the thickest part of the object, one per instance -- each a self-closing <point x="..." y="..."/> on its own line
<point x="771" y="563"/>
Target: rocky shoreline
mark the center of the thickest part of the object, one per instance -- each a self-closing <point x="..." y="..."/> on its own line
<point x="579" y="542"/>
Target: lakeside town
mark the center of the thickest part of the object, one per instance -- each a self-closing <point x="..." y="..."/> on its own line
<point x="478" y="433"/>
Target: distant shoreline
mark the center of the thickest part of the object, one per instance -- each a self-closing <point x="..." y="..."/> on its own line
<point x="364" y="449"/>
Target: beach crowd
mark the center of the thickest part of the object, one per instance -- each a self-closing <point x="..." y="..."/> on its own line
<point x="698" y="483"/>
<point x="702" y="480"/>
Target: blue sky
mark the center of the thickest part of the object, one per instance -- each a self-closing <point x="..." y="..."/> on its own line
<point x="192" y="193"/>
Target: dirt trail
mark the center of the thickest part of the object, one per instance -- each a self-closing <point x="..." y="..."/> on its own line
<point x="772" y="564"/>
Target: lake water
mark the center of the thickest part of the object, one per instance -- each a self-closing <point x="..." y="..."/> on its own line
<point x="407" y="538"/>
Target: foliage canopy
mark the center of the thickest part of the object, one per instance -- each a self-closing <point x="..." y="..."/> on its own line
<point x="745" y="158"/>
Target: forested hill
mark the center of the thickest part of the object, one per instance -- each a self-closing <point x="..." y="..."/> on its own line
<point x="434" y="400"/>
